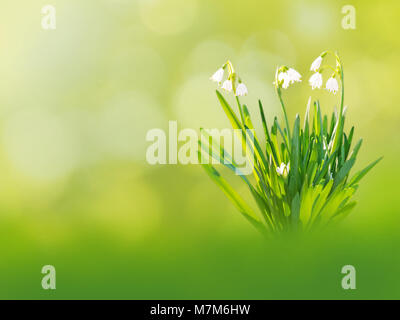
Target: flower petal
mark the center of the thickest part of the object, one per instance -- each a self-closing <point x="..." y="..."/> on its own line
<point x="218" y="75"/>
<point x="316" y="80"/>
<point x="227" y="85"/>
<point x="241" y="89"/>
<point x="332" y="85"/>
<point x="316" y="64"/>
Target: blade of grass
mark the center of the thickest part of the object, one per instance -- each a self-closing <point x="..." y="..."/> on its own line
<point x="239" y="203"/>
<point x="360" y="174"/>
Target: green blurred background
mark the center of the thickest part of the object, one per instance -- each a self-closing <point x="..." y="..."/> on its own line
<point x="76" y="191"/>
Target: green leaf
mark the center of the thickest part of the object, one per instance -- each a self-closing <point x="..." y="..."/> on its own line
<point x="343" y="172"/>
<point x="239" y="203"/>
<point x="229" y="112"/>
<point x="267" y="136"/>
<point x="283" y="134"/>
<point x="338" y="136"/>
<point x="259" y="154"/>
<point x="344" y="211"/>
<point x="294" y="182"/>
<point x="325" y="125"/>
<point x="247" y="118"/>
<point x="333" y="124"/>
<point x="336" y="200"/>
<point x="307" y="115"/>
<point x="295" y="212"/>
<point x="274" y="140"/>
<point x="325" y="167"/>
<point x="356" y="149"/>
<point x="225" y="159"/>
<point x="322" y="195"/>
<point x="237" y="125"/>
<point x="316" y="120"/>
<point x="360" y="174"/>
<point x="349" y="141"/>
<point x="342" y="154"/>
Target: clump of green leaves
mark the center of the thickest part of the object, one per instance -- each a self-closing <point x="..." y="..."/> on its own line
<point x="301" y="175"/>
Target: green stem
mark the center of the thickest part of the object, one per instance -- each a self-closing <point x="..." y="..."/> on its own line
<point x="342" y="94"/>
<point x="327" y="67"/>
<point x="278" y="91"/>
<point x="240" y="109"/>
<point x="341" y="124"/>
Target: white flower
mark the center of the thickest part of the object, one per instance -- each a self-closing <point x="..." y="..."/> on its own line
<point x="316" y="64"/>
<point x="241" y="89"/>
<point x="316" y="80"/>
<point x="283" y="170"/>
<point x="218" y="75"/>
<point x="227" y="85"/>
<point x="293" y="75"/>
<point x="288" y="77"/>
<point x="283" y="76"/>
<point x="332" y="85"/>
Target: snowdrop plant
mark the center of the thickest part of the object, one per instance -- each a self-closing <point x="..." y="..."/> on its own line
<point x="302" y="177"/>
<point x="316" y="80"/>
<point x="232" y="83"/>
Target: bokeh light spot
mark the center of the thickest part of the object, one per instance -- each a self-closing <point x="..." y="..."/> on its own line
<point x="168" y="16"/>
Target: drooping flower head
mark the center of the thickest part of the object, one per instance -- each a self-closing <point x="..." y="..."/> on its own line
<point x="293" y="75"/>
<point x="332" y="85"/>
<point x="316" y="80"/>
<point x="283" y="79"/>
<point x="241" y="89"/>
<point x="232" y="83"/>
<point x="227" y="85"/>
<point x="316" y="64"/>
<point x="287" y="76"/>
<point x="218" y="75"/>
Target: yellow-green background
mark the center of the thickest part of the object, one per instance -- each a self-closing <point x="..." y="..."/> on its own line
<point x="77" y="193"/>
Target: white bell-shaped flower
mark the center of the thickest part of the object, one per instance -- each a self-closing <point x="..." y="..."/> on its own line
<point x="227" y="85"/>
<point x="218" y="75"/>
<point x="316" y="64"/>
<point x="332" y="85"/>
<point x="293" y="75"/>
<point x="241" y="89"/>
<point x="316" y="80"/>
